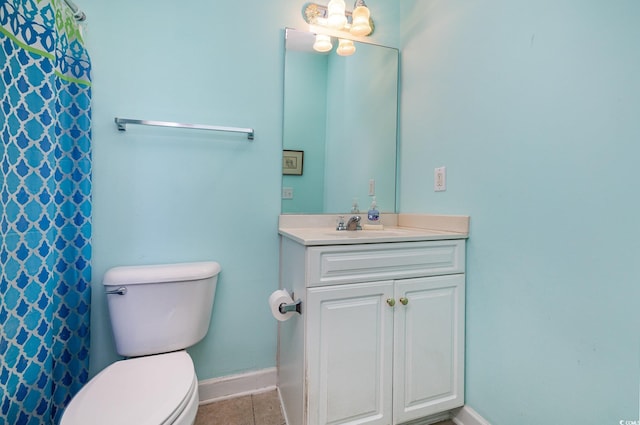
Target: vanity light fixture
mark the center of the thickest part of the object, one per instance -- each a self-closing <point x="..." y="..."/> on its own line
<point x="337" y="18"/>
<point x="361" y="24"/>
<point x="322" y="43"/>
<point x="336" y="21"/>
<point x="345" y="47"/>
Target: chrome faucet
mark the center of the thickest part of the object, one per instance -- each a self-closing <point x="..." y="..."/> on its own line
<point x="354" y="223"/>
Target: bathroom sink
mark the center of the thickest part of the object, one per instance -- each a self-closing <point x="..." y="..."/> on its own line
<point x="319" y="230"/>
<point x="384" y="233"/>
<point x="329" y="236"/>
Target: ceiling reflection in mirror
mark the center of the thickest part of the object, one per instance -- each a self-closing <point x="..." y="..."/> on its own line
<point x="340" y="116"/>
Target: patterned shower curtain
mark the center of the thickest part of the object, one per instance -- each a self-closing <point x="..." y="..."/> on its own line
<point x="45" y="201"/>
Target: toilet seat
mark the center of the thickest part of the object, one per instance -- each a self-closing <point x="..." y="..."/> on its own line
<point x="151" y="390"/>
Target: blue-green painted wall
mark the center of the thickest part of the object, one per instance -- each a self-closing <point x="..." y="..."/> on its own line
<point x="167" y="195"/>
<point x="533" y="108"/>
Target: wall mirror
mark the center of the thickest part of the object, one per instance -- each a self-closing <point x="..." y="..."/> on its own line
<point x="341" y="113"/>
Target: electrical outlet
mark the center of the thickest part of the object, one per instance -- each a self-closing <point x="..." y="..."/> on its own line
<point x="440" y="179"/>
<point x="287" y="193"/>
<point x="372" y="187"/>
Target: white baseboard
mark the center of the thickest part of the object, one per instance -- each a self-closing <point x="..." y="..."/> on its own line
<point x="467" y="416"/>
<point x="217" y="389"/>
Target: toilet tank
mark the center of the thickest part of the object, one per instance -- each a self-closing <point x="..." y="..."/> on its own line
<point x="160" y="308"/>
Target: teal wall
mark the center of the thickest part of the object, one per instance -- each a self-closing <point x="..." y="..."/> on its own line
<point x="168" y="195"/>
<point x="533" y="108"/>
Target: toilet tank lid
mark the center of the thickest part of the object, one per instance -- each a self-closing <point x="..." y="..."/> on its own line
<point x="159" y="273"/>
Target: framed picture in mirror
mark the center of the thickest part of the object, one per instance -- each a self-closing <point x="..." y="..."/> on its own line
<point x="292" y="162"/>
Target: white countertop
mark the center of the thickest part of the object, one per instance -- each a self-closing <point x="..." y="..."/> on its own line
<point x="320" y="229"/>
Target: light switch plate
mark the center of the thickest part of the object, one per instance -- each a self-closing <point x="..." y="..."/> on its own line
<point x="287" y="193"/>
<point x="440" y="179"/>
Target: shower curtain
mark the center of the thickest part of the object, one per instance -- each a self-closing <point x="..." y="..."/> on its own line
<point x="45" y="201"/>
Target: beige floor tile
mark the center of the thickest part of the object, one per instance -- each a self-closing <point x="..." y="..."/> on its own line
<point x="235" y="411"/>
<point x="256" y="409"/>
<point x="266" y="409"/>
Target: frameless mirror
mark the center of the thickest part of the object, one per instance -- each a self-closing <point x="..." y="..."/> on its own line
<point x="340" y="127"/>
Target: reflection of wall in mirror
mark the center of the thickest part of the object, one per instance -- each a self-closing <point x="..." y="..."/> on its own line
<point x="361" y="128"/>
<point x="342" y="112"/>
<point x="305" y="97"/>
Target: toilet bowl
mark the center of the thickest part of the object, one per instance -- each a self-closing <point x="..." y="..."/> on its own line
<point x="156" y="312"/>
<point x="155" y="390"/>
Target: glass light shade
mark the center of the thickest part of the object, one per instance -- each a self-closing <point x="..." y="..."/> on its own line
<point x="322" y="43"/>
<point x="336" y="18"/>
<point x="360" y="21"/>
<point x="345" y="47"/>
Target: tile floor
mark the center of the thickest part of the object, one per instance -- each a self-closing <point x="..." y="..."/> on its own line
<point x="255" y="409"/>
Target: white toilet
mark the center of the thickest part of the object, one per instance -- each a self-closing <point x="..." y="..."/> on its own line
<point x="156" y="312"/>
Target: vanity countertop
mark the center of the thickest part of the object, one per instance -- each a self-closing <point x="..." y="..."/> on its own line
<point x="320" y="229"/>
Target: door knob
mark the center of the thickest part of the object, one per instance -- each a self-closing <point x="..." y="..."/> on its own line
<point x="391" y="302"/>
<point x="404" y="301"/>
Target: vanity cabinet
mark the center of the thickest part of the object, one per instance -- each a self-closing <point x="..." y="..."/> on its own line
<point x="381" y="335"/>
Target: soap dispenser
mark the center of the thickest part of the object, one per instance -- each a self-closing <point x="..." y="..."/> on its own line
<point x="373" y="215"/>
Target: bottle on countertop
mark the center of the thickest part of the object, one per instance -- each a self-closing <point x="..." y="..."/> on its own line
<point x="373" y="215"/>
<point x="354" y="208"/>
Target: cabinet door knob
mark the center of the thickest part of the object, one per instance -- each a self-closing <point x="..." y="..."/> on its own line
<point x="391" y="302"/>
<point x="404" y="301"/>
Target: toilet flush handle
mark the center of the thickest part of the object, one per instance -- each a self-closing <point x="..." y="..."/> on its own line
<point x="119" y="291"/>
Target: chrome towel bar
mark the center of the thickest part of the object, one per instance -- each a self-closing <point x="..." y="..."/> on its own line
<point x="122" y="126"/>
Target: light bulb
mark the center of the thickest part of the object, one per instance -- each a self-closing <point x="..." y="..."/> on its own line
<point x="336" y="18"/>
<point x="360" y="21"/>
<point x="345" y="47"/>
<point x="322" y="43"/>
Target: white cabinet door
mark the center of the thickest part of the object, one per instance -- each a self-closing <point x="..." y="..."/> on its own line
<point x="428" y="346"/>
<point x="349" y="354"/>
